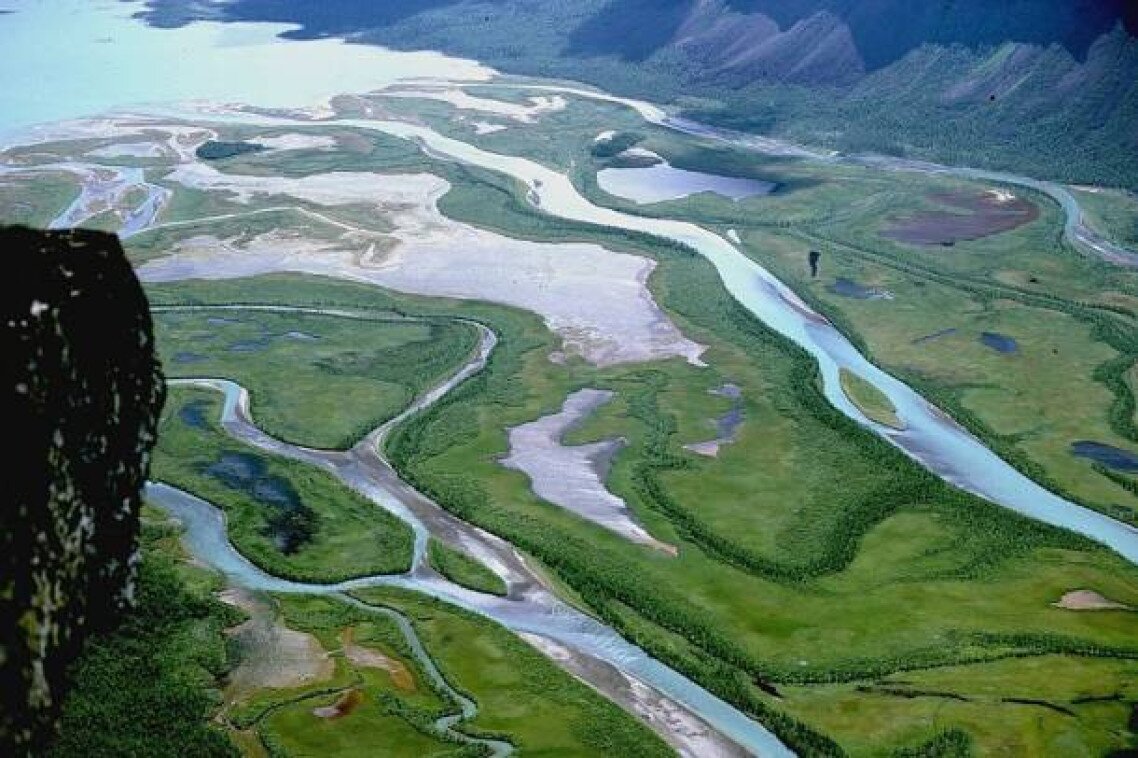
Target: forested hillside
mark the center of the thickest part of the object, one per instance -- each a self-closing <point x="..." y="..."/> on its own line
<point x="1048" y="87"/>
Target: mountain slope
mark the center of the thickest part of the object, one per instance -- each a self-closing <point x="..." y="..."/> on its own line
<point x="1048" y="87"/>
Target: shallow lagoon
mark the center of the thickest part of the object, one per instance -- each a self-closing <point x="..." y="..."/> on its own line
<point x="660" y="182"/>
<point x="91" y="56"/>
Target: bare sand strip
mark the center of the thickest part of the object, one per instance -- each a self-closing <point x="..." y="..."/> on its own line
<point x="522" y="113"/>
<point x="573" y="476"/>
<point x="689" y="735"/>
<point x="165" y="140"/>
<point x="272" y="655"/>
<point x="597" y="301"/>
<point x="285" y="142"/>
<point x="486" y="127"/>
<point x="1089" y="600"/>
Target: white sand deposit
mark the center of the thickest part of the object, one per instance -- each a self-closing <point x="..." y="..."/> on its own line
<point x="596" y="300"/>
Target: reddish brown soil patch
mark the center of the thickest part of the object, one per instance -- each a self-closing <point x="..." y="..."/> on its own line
<point x="347" y="703"/>
<point x="968" y="216"/>
<point x="371" y="658"/>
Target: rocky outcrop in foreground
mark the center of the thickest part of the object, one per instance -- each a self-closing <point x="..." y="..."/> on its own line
<point x="82" y="392"/>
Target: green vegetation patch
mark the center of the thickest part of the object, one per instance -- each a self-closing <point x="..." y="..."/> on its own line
<point x="811" y="553"/>
<point x="870" y="400"/>
<point x="151" y="686"/>
<point x="377" y="700"/>
<point x="521" y="695"/>
<point x="341" y="535"/>
<point x="344" y="376"/>
<point x="805" y="517"/>
<point x="464" y="570"/>
<point x="615" y="144"/>
<point x="36" y="199"/>
<point x="1112" y="212"/>
<point x="1071" y="316"/>
<point x="1048" y="705"/>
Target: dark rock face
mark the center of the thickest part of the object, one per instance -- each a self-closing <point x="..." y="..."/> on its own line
<point x="83" y="390"/>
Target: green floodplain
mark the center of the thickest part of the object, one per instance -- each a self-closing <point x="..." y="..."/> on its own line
<point x="824" y="583"/>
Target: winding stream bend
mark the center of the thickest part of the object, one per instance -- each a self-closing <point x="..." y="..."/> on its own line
<point x="467" y="708"/>
<point x="693" y="720"/>
<point x="930" y="437"/>
<point x="1075" y="226"/>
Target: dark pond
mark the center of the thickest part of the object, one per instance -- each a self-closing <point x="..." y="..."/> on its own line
<point x="250" y="346"/>
<point x="1112" y="457"/>
<point x="219" y="321"/>
<point x="192" y="414"/>
<point x="730" y="390"/>
<point x="999" y="342"/>
<point x="289" y="522"/>
<point x="237" y="470"/>
<point x="215" y="150"/>
<point x="844" y="287"/>
<point x="985" y="214"/>
<point x="729" y="422"/>
<point x="184" y="357"/>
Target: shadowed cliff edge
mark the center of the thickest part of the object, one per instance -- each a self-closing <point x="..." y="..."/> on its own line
<point x="83" y="390"/>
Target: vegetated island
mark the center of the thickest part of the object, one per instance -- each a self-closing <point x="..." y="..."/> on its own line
<point x="870" y="400"/>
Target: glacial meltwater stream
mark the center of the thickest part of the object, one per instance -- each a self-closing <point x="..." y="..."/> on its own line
<point x="103" y="59"/>
<point x="929" y="437"/>
<point x="613" y="665"/>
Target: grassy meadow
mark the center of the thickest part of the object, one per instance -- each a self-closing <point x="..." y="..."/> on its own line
<point x="345" y="377"/>
<point x="869" y="400"/>
<point x="521" y="697"/>
<point x="824" y="583"/>
<point x="463" y="570"/>
<point x="1073" y="318"/>
<point x="803" y="524"/>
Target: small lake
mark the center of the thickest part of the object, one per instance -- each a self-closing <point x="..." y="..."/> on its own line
<point x="655" y="184"/>
<point x="192" y="414"/>
<point x="250" y="346"/>
<point x="843" y="287"/>
<point x="91" y="56"/>
<point x="288" y="521"/>
<point x="1001" y="343"/>
<point x="1112" y="457"/>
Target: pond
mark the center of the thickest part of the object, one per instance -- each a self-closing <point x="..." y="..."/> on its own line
<point x="1112" y="457"/>
<point x="1001" y="343"/>
<point x="193" y="414"/>
<point x="186" y="357"/>
<point x="843" y="287"/>
<point x="655" y="184"/>
<point x="289" y="522"/>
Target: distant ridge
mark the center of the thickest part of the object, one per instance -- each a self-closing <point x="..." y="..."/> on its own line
<point x="1046" y="87"/>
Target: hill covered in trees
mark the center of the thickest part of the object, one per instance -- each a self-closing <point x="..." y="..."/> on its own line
<point x="1048" y="87"/>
